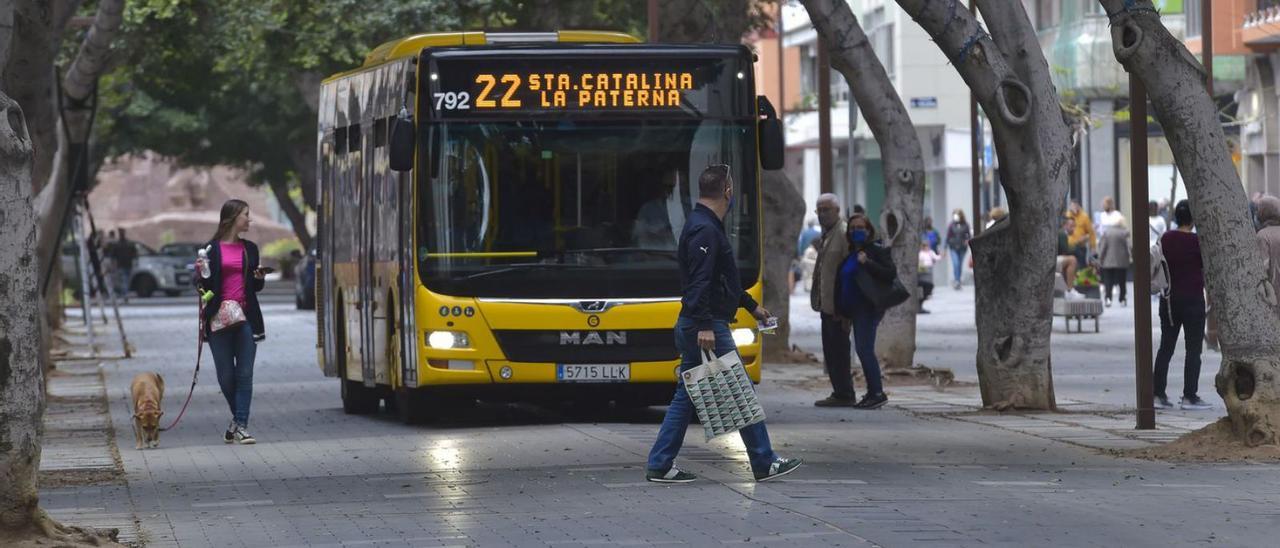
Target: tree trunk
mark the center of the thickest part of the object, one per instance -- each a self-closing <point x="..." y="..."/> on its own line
<point x="21" y="385"/>
<point x="783" y="208"/>
<point x="291" y="210"/>
<point x="1249" y="337"/>
<point x="78" y="87"/>
<point x="851" y="54"/>
<point x="1014" y="260"/>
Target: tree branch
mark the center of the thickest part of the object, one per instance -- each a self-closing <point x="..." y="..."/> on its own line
<point x="92" y="57"/>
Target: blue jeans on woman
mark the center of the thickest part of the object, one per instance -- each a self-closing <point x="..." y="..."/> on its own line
<point x="233" y="352"/>
<point x="957" y="264"/>
<point x="681" y="411"/>
<point x="865" y="321"/>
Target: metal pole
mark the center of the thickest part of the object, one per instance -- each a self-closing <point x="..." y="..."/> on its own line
<point x="85" y="306"/>
<point x="1206" y="42"/>
<point x="824" y="118"/>
<point x="1141" y="255"/>
<point x="975" y="149"/>
<point x="653" y="21"/>
<point x="782" y="73"/>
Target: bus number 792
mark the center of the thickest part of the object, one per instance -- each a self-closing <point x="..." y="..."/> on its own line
<point x="453" y="101"/>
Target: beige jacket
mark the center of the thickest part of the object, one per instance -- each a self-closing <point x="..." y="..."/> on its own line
<point x="832" y="250"/>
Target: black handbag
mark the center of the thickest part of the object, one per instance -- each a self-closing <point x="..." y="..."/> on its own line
<point x="883" y="294"/>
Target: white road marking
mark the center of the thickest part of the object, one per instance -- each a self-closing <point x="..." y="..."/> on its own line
<point x="823" y="481"/>
<point x="1182" y="485"/>
<point x="1018" y="483"/>
<point x="233" y="503"/>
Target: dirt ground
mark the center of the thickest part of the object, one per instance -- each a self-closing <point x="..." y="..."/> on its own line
<point x="1213" y="443"/>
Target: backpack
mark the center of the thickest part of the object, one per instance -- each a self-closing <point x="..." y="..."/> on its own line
<point x="1159" y="272"/>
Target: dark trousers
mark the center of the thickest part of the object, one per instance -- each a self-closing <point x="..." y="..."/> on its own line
<point x="1186" y="315"/>
<point x="1113" y="277"/>
<point x="865" y="321"/>
<point x="835" y="353"/>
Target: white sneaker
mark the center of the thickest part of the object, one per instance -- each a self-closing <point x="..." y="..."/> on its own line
<point x="243" y="437"/>
<point x="1162" y="402"/>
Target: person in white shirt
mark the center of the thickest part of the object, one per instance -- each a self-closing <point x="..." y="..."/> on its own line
<point x="928" y="258"/>
<point x="1155" y="222"/>
<point x="1110" y="215"/>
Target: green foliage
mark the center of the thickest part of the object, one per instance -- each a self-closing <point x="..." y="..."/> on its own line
<point x="281" y="248"/>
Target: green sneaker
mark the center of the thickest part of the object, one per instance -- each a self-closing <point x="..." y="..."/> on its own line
<point x="674" y="475"/>
<point x="779" y="468"/>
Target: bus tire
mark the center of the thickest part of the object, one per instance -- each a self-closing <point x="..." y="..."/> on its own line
<point x="357" y="399"/>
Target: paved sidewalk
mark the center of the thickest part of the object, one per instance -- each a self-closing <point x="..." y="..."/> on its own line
<point x="79" y="454"/>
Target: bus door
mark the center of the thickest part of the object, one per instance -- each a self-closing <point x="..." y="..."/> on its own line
<point x="364" y="262"/>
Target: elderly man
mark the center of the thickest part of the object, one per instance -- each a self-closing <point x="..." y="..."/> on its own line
<point x="832" y="250"/>
<point x="1269" y="237"/>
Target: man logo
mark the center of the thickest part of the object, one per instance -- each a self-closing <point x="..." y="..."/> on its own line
<point x="593" y="338"/>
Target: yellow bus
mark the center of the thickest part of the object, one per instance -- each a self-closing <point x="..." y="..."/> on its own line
<point x="499" y="214"/>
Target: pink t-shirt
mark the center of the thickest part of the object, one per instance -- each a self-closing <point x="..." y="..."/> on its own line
<point x="233" y="272"/>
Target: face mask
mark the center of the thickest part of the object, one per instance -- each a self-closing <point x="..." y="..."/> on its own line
<point x="858" y="235"/>
<point x="955" y="218"/>
<point x="731" y="201"/>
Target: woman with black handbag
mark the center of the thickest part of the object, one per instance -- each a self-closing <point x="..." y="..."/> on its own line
<point x="229" y="280"/>
<point x="866" y="287"/>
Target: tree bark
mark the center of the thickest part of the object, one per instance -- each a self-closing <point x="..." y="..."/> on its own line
<point x="1249" y="336"/>
<point x="852" y="55"/>
<point x="783" y="207"/>
<point x="1014" y="260"/>
<point x="296" y="218"/>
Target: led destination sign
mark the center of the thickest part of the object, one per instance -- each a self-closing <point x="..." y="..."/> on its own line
<point x="466" y="87"/>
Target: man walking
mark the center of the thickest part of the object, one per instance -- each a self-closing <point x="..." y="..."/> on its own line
<point x="124" y="253"/>
<point x="833" y="247"/>
<point x="712" y="295"/>
<point x="1269" y="239"/>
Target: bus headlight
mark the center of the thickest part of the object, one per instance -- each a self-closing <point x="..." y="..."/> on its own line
<point x="445" y="340"/>
<point x="743" y="336"/>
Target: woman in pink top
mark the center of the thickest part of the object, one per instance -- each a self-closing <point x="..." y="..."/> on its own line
<point x="234" y="275"/>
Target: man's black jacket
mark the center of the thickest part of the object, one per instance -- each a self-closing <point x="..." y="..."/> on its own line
<point x="709" y="272"/>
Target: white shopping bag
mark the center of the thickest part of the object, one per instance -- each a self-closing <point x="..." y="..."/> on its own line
<point x="722" y="394"/>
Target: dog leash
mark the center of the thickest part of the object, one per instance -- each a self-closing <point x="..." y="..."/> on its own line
<point x="199" y="352"/>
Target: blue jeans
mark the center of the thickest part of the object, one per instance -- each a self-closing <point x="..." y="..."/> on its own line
<point x="681" y="411"/>
<point x="957" y="264"/>
<point x="865" y="321"/>
<point x="233" y="351"/>
<point x="123" y="276"/>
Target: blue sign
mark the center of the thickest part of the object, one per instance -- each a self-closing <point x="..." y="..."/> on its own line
<point x="924" y="102"/>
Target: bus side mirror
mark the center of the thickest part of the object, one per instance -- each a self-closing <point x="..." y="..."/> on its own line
<point x="402" y="142"/>
<point x="770" y="134"/>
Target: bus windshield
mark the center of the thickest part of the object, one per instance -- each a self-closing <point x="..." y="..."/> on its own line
<point x="559" y="209"/>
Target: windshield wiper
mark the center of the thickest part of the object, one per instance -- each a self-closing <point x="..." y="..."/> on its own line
<point x="667" y="253"/>
<point x="522" y="267"/>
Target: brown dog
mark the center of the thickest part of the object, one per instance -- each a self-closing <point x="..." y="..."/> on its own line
<point x="148" y="393"/>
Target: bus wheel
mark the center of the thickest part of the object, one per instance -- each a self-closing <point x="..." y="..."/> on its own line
<point x="357" y="399"/>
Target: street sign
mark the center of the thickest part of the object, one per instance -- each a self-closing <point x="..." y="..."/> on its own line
<point x="924" y="102"/>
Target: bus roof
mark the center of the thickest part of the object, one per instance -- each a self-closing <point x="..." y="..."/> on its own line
<point x="411" y="45"/>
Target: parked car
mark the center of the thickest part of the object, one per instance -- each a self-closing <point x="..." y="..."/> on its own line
<point x="169" y="271"/>
<point x="304" y="282"/>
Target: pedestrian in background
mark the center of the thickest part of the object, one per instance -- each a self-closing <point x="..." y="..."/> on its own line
<point x="927" y="258"/>
<point x="806" y="239"/>
<point x="712" y="295"/>
<point x="1269" y="239"/>
<point x="832" y="247"/>
<point x="123" y="253"/>
<point x="1183" y="309"/>
<point x="1155" y="222"/>
<point x="1067" y="262"/>
<point x="867" y="257"/>
<point x="1114" y="254"/>
<point x="958" y="235"/>
<point x="931" y="235"/>
<point x="1082" y="236"/>
<point x="234" y="275"/>
<point x="1110" y="215"/>
<point x="994" y="216"/>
